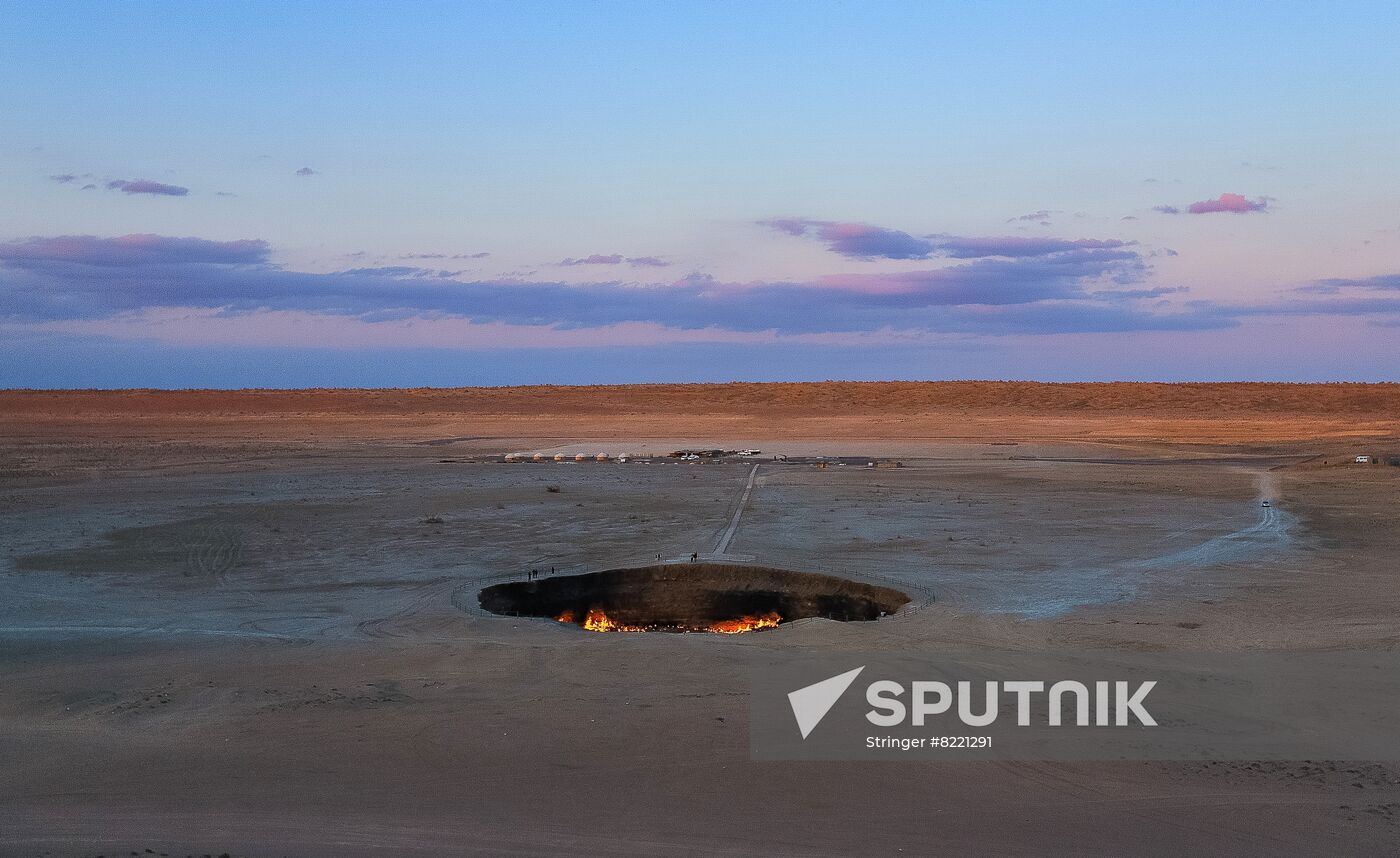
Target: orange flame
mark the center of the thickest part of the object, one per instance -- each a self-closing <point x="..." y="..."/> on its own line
<point x="746" y="624"/>
<point x="598" y="621"/>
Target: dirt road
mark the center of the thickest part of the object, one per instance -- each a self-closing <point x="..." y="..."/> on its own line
<point x="722" y="546"/>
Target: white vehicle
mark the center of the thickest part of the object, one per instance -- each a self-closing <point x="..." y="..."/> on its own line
<point x="749" y="452"/>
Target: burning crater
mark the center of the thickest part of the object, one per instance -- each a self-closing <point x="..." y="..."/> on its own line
<point x="691" y="597"/>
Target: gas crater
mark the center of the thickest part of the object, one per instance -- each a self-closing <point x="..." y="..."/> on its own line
<point x="691" y="597"/>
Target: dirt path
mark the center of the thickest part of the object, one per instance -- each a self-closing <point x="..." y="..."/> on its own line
<point x="722" y="546"/>
<point x="1267" y="538"/>
<point x="1268" y="535"/>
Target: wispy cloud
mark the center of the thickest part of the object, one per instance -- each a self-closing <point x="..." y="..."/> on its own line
<point x="146" y="186"/>
<point x="1377" y="298"/>
<point x="615" y="259"/>
<point x="1336" y="285"/>
<point x="595" y="259"/>
<point x="1041" y="217"/>
<point x="863" y="241"/>
<point x="131" y="250"/>
<point x="959" y="247"/>
<point x="997" y="281"/>
<point x="857" y="240"/>
<point x="306" y="171"/>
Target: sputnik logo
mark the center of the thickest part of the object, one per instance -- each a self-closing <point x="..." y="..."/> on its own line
<point x="810" y="704"/>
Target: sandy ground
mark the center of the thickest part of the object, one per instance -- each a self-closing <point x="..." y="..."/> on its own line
<point x="229" y="627"/>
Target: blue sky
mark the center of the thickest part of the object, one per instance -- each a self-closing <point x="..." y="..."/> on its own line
<point x="250" y="194"/>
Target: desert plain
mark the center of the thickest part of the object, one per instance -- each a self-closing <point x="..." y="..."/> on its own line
<point x="247" y="622"/>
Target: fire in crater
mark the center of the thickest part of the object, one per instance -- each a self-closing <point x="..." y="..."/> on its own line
<point x="720" y="598"/>
<point x="597" y="620"/>
<point x="745" y="624"/>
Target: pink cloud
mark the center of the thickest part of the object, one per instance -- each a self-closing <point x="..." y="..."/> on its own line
<point x="1234" y="203"/>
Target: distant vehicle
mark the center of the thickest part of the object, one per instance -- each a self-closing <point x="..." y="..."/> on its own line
<point x="1363" y="460"/>
<point x="1266" y="503"/>
<point x="749" y="452"/>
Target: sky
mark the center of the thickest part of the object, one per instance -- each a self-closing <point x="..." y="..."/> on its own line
<point x="246" y="194"/>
